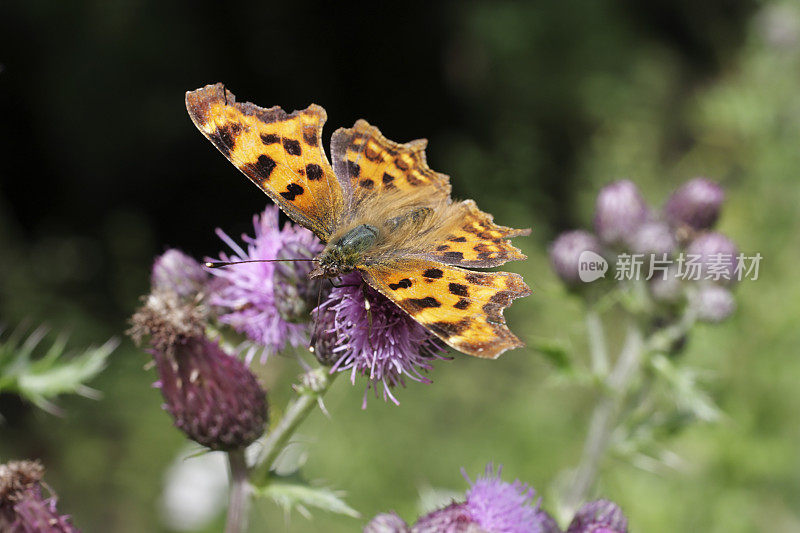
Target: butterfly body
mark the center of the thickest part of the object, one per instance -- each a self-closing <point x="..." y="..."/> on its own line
<point x="380" y="210"/>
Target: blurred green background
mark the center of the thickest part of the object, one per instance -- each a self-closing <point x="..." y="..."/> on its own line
<point x="530" y="107"/>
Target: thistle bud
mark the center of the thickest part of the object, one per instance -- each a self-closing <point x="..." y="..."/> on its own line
<point x="717" y="255"/>
<point x="601" y="516"/>
<point x="177" y="272"/>
<point x="712" y="303"/>
<point x="23" y="507"/>
<point x="696" y="204"/>
<point x="653" y="238"/>
<point x="212" y="396"/>
<point x="566" y="250"/>
<point x="619" y="211"/>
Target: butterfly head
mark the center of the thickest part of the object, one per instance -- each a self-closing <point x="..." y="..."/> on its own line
<point x="343" y="254"/>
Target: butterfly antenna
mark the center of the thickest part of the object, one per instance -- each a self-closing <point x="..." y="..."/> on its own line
<point x="220" y="264"/>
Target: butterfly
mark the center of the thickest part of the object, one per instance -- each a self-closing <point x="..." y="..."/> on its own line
<point x="380" y="210"/>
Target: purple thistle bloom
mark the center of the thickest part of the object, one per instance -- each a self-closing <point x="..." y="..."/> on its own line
<point x="619" y="211"/>
<point x="392" y="348"/>
<point x="455" y="518"/>
<point x="696" y="204"/>
<point x="387" y="523"/>
<point x="712" y="303"/>
<point x="503" y="507"/>
<point x="566" y="250"/>
<point x="177" y="272"/>
<point x="23" y="507"/>
<point x="717" y="255"/>
<point x="601" y="516"/>
<point x="268" y="302"/>
<point x="653" y="238"/>
<point x="212" y="396"/>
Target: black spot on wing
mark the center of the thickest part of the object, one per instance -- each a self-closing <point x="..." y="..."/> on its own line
<point x="451" y="328"/>
<point x="415" y="305"/>
<point x="366" y="183"/>
<point x="458" y="289"/>
<point x="225" y="137"/>
<point x="314" y="172"/>
<point x="452" y="256"/>
<point x="402" y="284"/>
<point x="310" y="136"/>
<point x="353" y="168"/>
<point x="269" y="138"/>
<point x="292" y="147"/>
<point x="387" y="178"/>
<point x="458" y="239"/>
<point x="433" y="273"/>
<point x="261" y="169"/>
<point x="292" y="191"/>
<point x="462" y="304"/>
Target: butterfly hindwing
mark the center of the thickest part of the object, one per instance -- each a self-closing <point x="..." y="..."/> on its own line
<point x="367" y="163"/>
<point x="463" y="308"/>
<point x="280" y="152"/>
<point x="476" y="242"/>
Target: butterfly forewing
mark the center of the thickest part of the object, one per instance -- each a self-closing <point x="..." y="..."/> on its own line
<point x="281" y="153"/>
<point x="463" y="308"/>
<point x="368" y="163"/>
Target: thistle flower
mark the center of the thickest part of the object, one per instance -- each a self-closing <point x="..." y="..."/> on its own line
<point x="697" y="204"/>
<point x="717" y="256"/>
<point x="712" y="303"/>
<point x="503" y="507"/>
<point x="653" y="237"/>
<point x="601" y="516"/>
<point x="387" y="523"/>
<point x="23" y="507"/>
<point x="212" y="396"/>
<point x="268" y="302"/>
<point x="619" y="211"/>
<point x="386" y="351"/>
<point x="175" y="271"/>
<point x="566" y="250"/>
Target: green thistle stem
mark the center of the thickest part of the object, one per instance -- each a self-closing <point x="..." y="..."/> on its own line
<point x="239" y="499"/>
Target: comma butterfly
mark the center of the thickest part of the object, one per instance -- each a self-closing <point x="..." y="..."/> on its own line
<point x="380" y="210"/>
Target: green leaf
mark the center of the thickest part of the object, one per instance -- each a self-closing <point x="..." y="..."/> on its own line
<point x="294" y="494"/>
<point x="555" y="351"/>
<point x="40" y="379"/>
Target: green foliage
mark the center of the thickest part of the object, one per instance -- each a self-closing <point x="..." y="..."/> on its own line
<point x="292" y="492"/>
<point x="41" y="377"/>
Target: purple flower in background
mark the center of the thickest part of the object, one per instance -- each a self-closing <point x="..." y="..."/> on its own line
<point x="601" y="516"/>
<point x="566" y="250"/>
<point x="455" y="518"/>
<point x="696" y="204"/>
<point x="212" y="396"/>
<point x="23" y="507"/>
<point x="653" y="237"/>
<point x="177" y="272"/>
<point x="268" y="302"/>
<point x="393" y="347"/>
<point x="717" y="255"/>
<point x="712" y="303"/>
<point x="619" y="211"/>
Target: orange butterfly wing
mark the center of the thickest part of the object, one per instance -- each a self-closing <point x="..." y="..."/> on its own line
<point x="281" y="153"/>
<point x="463" y="308"/>
<point x="368" y="163"/>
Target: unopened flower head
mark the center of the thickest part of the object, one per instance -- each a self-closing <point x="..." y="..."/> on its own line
<point x="712" y="303"/>
<point x="619" y="211"/>
<point x="268" y="302"/>
<point x="177" y="272"/>
<point x="717" y="255"/>
<point x="375" y="338"/>
<point x="23" y="506"/>
<point x="601" y="516"/>
<point x="566" y="250"/>
<point x="653" y="237"/>
<point x="212" y="396"/>
<point x="696" y="204"/>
